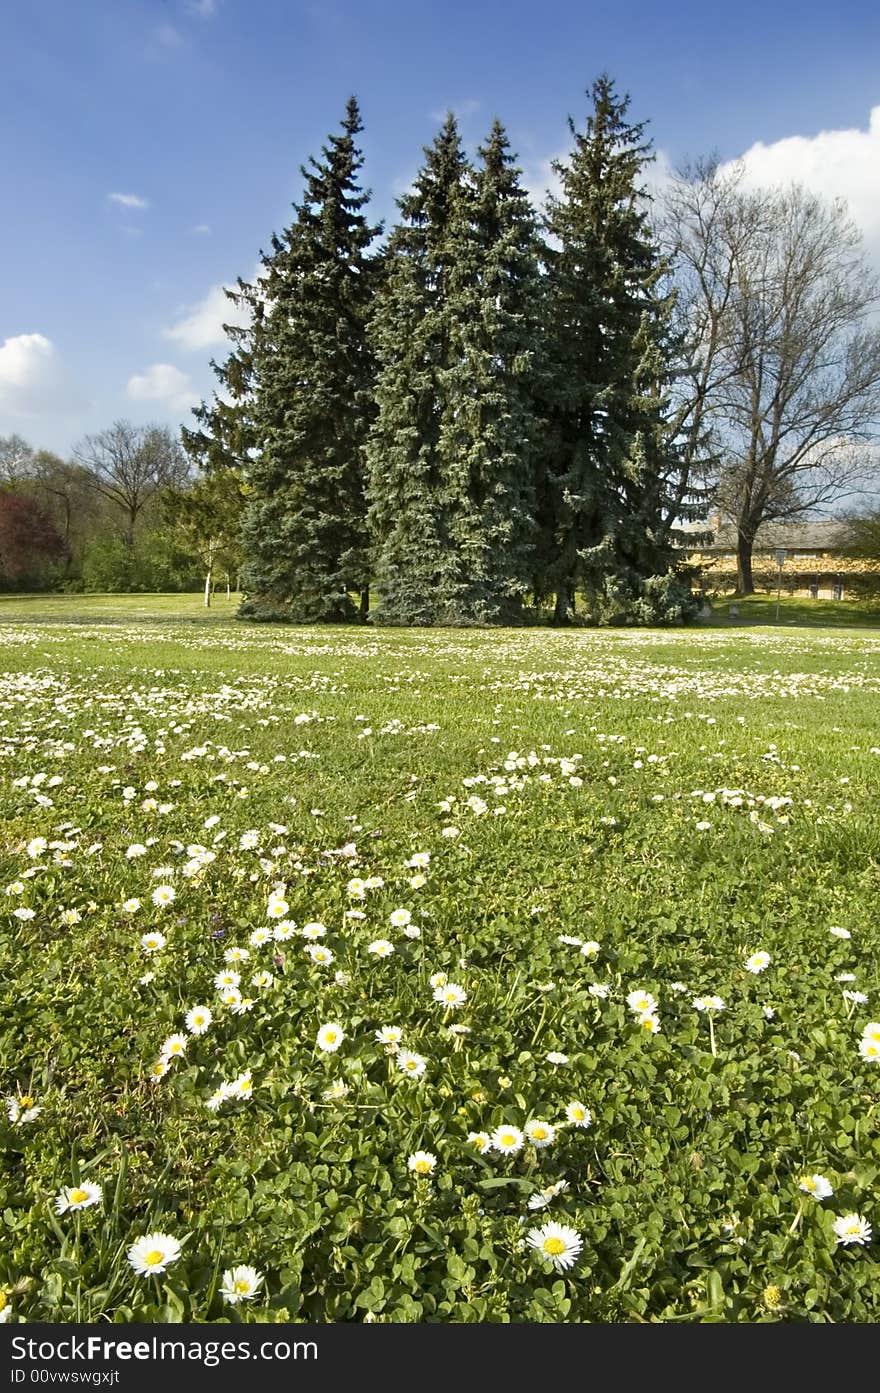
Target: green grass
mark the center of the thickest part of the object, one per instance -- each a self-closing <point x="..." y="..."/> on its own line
<point x="757" y="609"/>
<point x="109" y="609"/>
<point x="682" y="799"/>
<point x="794" y="610"/>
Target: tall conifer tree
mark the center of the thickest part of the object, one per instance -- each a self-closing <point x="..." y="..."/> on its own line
<point x="417" y="337"/>
<point x="501" y="362"/>
<point x="450" y="451"/>
<point x="608" y="451"/>
<point x="301" y="382"/>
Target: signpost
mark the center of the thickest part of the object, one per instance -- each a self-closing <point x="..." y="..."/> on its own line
<point x="780" y="562"/>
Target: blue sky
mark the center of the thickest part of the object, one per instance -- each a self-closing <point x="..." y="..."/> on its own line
<point x="199" y="113"/>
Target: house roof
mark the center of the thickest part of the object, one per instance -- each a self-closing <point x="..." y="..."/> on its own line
<point x="829" y="534"/>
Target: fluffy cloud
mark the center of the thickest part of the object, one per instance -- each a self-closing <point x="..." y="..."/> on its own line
<point x="168" y="37"/>
<point x="202" y="324"/>
<point x="127" y="200"/>
<point x="203" y="8"/>
<point x="834" y="164"/>
<point x="33" y="380"/>
<point x="163" y="383"/>
<point x="461" y="110"/>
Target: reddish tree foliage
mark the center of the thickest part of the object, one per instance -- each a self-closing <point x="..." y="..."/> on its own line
<point x="28" y="540"/>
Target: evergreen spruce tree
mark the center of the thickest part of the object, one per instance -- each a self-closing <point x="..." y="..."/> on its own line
<point x="301" y="381"/>
<point x="417" y="339"/>
<point x="608" y="461"/>
<point x="450" y="451"/>
<point x="496" y="404"/>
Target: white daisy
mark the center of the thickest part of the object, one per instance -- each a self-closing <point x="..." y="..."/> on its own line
<point x="481" y="1140"/>
<point x="197" y="1020"/>
<point x="153" y="1253"/>
<point x="240" y="1284"/>
<point x="412" y="1064"/>
<point x="578" y="1115"/>
<point x="330" y="1037"/>
<point x="507" y="1140"/>
<point x="758" y="962"/>
<point x="816" y="1185"/>
<point x="557" y="1243"/>
<point x="540" y="1133"/>
<point x="640" y="1001"/>
<point x="542" y="1198"/>
<point x="78" y="1197"/>
<point x="451" y="996"/>
<point x="422" y="1162"/>
<point x="852" y="1228"/>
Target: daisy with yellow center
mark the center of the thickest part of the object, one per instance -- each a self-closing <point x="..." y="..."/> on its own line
<point x="540" y="1133"/>
<point x="197" y="1020"/>
<point x="422" y="1162"/>
<point x="816" y="1185"/>
<point x="240" y="1284"/>
<point x="330" y="1037"/>
<point x="409" y="1063"/>
<point x="507" y="1140"/>
<point x="78" y="1197"/>
<point x="578" y="1115"/>
<point x="151" y="1254"/>
<point x="481" y="1140"/>
<point x="852" y="1228"/>
<point x="557" y="1243"/>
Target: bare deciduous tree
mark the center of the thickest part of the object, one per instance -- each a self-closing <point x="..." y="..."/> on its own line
<point x="16" y="457"/>
<point x="786" y="372"/>
<point x="128" y="464"/>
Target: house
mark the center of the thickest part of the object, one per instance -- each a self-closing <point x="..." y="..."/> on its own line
<point x="815" y="566"/>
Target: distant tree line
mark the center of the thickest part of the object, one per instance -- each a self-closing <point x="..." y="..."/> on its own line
<point x="100" y="520"/>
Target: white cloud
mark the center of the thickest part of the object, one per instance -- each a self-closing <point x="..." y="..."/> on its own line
<point x="203" y="8"/>
<point x="163" y="383"/>
<point x="834" y="164"/>
<point x="33" y="380"/>
<point x="168" y="37"/>
<point x="202" y="324"/>
<point x="540" y="178"/>
<point x="202" y="229"/>
<point x="127" y="200"/>
<point x="462" y="110"/>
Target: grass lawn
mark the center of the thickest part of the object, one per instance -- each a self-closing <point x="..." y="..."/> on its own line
<point x="360" y="956"/>
<point x="794" y="610"/>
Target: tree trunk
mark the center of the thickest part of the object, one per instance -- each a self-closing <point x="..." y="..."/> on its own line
<point x="744" y="583"/>
<point x="227" y="585"/>
<point x="208" y="590"/>
<point x="365" y="604"/>
<point x="564" y="609"/>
